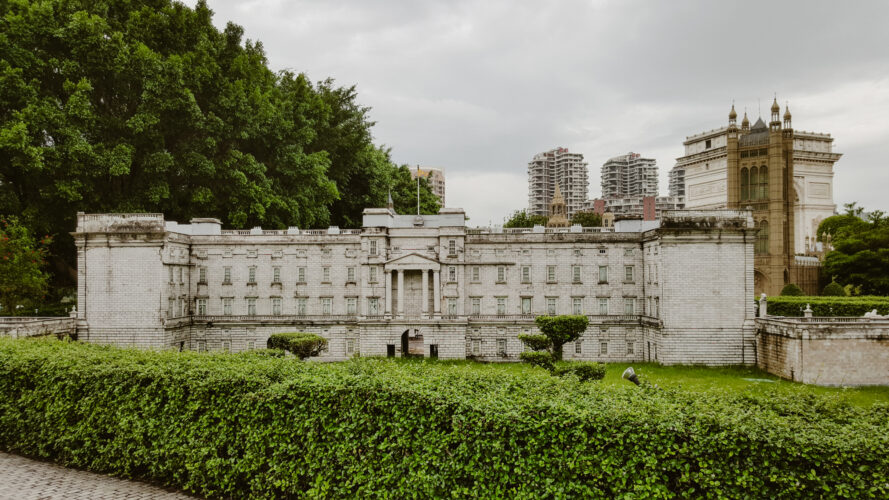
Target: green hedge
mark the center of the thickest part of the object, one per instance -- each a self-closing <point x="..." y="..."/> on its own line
<point x="300" y="344"/>
<point x="586" y="371"/>
<point x="827" y="306"/>
<point x="232" y="426"/>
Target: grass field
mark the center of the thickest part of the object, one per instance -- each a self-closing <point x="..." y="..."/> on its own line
<point x="702" y="378"/>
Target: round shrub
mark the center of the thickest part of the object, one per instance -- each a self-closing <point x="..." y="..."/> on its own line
<point x="300" y="344"/>
<point x="543" y="359"/>
<point x="792" y="290"/>
<point x="584" y="370"/>
<point x="834" y="289"/>
<point x="536" y="342"/>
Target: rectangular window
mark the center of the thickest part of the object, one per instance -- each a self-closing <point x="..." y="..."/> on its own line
<point x="578" y="347"/>
<point x="526" y="305"/>
<point x="452" y="247"/>
<point x="575" y="272"/>
<point x="182" y="303"/>
<point x="202" y="307"/>
<point x="603" y="306"/>
<point x="526" y="274"/>
<point x="501" y="305"/>
<point x="629" y="348"/>
<point x="603" y="348"/>
<point x="373" y="247"/>
<point x="551" y="274"/>
<point x="657" y="306"/>
<point x="501" y="274"/>
<point x="251" y="274"/>
<point x="325" y="306"/>
<point x="372" y="274"/>
<point x="171" y="274"/>
<point x="628" y="251"/>
<point x="476" y="305"/>
<point x="350" y="275"/>
<point x="628" y="274"/>
<point x="227" y="346"/>
<point x="501" y="347"/>
<point x="227" y="306"/>
<point x="202" y="275"/>
<point x="251" y="344"/>
<point x="202" y="346"/>
<point x="325" y="274"/>
<point x="227" y="275"/>
<point x="551" y="306"/>
<point x="350" y="346"/>
<point x="171" y="307"/>
<point x="476" y="274"/>
<point x="603" y="274"/>
<point x="276" y="275"/>
<point x="251" y="306"/>
<point x="476" y="347"/>
<point x="577" y="304"/>
<point x="301" y="275"/>
<point x="373" y="306"/>
<point x="351" y="305"/>
<point x="452" y="274"/>
<point x="301" y="306"/>
<point x="276" y="306"/>
<point x="629" y="306"/>
<point x="452" y="306"/>
<point x="181" y="280"/>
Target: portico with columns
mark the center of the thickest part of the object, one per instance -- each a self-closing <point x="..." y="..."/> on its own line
<point x="411" y="273"/>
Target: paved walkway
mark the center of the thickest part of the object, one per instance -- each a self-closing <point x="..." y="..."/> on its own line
<point x="25" y="479"/>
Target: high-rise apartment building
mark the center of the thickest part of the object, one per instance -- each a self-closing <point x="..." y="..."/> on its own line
<point x="677" y="182"/>
<point x="557" y="166"/>
<point x="629" y="176"/>
<point x="436" y="179"/>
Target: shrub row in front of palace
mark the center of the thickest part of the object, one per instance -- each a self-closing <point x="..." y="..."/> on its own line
<point x="827" y="306"/>
<point x="239" y="426"/>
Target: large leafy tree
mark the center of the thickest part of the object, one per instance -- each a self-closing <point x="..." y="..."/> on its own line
<point x="521" y="218"/>
<point x="860" y="255"/>
<point x="23" y="281"/>
<point x="143" y="105"/>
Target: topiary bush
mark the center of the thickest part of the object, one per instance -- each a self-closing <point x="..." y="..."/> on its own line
<point x="536" y="342"/>
<point x="584" y="370"/>
<point x="792" y="290"/>
<point x="300" y="344"/>
<point x="833" y="289"/>
<point x="231" y="426"/>
<point x="543" y="359"/>
<point x="827" y="306"/>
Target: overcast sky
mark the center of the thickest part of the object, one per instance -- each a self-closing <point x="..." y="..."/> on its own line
<point x="479" y="87"/>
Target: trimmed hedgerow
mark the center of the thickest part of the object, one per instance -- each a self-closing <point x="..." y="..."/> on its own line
<point x="255" y="427"/>
<point x="827" y="306"/>
<point x="300" y="344"/>
<point x="584" y="370"/>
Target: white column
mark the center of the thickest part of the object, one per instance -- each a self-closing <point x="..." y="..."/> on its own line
<point x="425" y="308"/>
<point x="436" y="291"/>
<point x="388" y="293"/>
<point x="400" y="292"/>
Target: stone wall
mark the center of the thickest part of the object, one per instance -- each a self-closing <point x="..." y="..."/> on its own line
<point x="26" y="326"/>
<point x="825" y="351"/>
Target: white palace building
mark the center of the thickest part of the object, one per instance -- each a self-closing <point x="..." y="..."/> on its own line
<point x="424" y="285"/>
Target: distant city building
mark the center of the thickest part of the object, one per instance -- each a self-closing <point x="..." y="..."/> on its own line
<point x="785" y="176"/>
<point x="557" y="167"/>
<point x="436" y="179"/>
<point x="677" y="181"/>
<point x="635" y="207"/>
<point x="629" y="175"/>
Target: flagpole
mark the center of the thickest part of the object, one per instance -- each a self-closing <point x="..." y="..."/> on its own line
<point x="418" y="191"/>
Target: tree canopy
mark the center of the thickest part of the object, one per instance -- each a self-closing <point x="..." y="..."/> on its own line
<point x="143" y="105"/>
<point x="521" y="218"/>
<point x="23" y="281"/>
<point x="860" y="255"/>
<point x="587" y="219"/>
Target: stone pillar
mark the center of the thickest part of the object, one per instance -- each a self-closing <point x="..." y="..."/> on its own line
<point x="436" y="292"/>
<point x="388" y="293"/>
<point x="425" y="308"/>
<point x="762" y="306"/>
<point x="807" y="313"/>
<point x="400" y="292"/>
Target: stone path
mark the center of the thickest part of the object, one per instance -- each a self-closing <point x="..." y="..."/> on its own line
<point x="25" y="479"/>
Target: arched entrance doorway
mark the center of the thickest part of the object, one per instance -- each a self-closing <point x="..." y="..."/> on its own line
<point x="412" y="343"/>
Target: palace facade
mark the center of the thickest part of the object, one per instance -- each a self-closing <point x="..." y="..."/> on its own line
<point x="423" y="285"/>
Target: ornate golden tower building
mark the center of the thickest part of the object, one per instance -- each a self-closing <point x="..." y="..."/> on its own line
<point x="558" y="216"/>
<point x="760" y="177"/>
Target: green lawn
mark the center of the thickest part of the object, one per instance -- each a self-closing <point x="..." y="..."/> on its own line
<point x="703" y="378"/>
